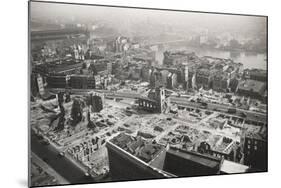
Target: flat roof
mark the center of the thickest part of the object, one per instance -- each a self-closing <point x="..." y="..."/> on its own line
<point x="232" y="167"/>
<point x="196" y="157"/>
<point x="254" y="85"/>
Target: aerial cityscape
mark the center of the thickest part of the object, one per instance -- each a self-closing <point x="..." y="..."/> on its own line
<point x="119" y="94"/>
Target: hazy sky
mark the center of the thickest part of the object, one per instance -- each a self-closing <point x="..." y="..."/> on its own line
<point x="119" y="16"/>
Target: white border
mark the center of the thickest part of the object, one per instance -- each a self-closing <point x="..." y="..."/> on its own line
<point x="13" y="137"/>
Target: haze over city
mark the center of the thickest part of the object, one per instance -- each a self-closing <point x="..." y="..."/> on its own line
<point x="127" y="19"/>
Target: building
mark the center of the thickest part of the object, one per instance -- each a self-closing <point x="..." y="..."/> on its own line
<point x="223" y="149"/>
<point x="142" y="54"/>
<point x="221" y="82"/>
<point x="63" y="67"/>
<point x="97" y="66"/>
<point x="75" y="81"/>
<point x="160" y="77"/>
<point x="172" y="81"/>
<point x="148" y="104"/>
<point x="177" y="58"/>
<point x="109" y="67"/>
<point x="146" y="73"/>
<point x="231" y="71"/>
<point x="135" y="72"/>
<point x="255" y="151"/>
<point x="121" y="43"/>
<point x="233" y="84"/>
<point x="56" y="81"/>
<point x="184" y="163"/>
<point x="204" y="78"/>
<point x="97" y="80"/>
<point x="82" y="82"/>
<point x="164" y="77"/>
<point x="156" y="79"/>
<point x="155" y="102"/>
<point x="135" y="158"/>
<point x="126" y="156"/>
<point x="37" y="84"/>
<point x="118" y="44"/>
<point x="191" y="80"/>
<point x="96" y="103"/>
<point x="251" y="88"/>
<point x="94" y="53"/>
<point x="186" y="76"/>
<point x="256" y="74"/>
<point x="139" y="159"/>
<point x="40" y="83"/>
<point x="161" y="98"/>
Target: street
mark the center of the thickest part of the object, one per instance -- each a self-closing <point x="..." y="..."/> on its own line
<point x="262" y="117"/>
<point x="61" y="165"/>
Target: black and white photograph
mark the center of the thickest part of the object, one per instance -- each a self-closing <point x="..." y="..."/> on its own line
<point x="129" y="93"/>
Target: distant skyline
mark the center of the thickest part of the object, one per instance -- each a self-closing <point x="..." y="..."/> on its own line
<point x="126" y="17"/>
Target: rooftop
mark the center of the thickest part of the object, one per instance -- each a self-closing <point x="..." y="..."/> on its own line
<point x="257" y="136"/>
<point x="137" y="146"/>
<point x="230" y="167"/>
<point x="252" y="85"/>
<point x="209" y="161"/>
